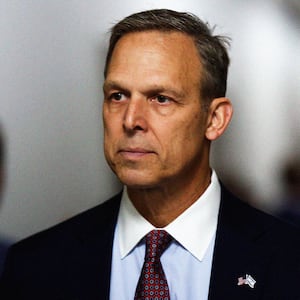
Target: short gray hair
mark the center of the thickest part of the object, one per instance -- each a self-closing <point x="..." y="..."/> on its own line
<point x="212" y="49"/>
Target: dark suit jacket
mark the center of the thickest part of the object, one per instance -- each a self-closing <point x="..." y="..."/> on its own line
<point x="72" y="261"/>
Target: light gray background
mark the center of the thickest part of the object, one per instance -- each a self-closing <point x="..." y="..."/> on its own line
<point x="51" y="58"/>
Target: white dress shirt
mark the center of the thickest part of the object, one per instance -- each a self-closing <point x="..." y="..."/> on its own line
<point x="186" y="262"/>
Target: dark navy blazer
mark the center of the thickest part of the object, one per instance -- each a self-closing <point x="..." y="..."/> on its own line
<point x="72" y="261"/>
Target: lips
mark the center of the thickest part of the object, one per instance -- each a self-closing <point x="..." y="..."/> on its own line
<point x="135" y="152"/>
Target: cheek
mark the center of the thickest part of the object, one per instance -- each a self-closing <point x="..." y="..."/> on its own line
<point x="174" y="141"/>
<point x="110" y="137"/>
<point x="188" y="135"/>
<point x="190" y="128"/>
<point x="109" y="119"/>
<point x="111" y="126"/>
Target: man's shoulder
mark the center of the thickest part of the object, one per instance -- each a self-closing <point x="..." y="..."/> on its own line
<point x="65" y="260"/>
<point x="252" y="242"/>
<point x="255" y="223"/>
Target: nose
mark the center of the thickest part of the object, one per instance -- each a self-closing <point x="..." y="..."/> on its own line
<point x="135" y="115"/>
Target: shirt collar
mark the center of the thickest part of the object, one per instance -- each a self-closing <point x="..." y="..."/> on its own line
<point x="193" y="229"/>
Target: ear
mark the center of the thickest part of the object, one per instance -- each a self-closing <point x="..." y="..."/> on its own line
<point x="219" y="115"/>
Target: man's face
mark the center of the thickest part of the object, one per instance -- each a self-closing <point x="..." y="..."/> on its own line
<point x="154" y="125"/>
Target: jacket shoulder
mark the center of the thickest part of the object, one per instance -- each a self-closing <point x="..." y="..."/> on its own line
<point x="251" y="221"/>
<point x="249" y="241"/>
<point x="70" y="260"/>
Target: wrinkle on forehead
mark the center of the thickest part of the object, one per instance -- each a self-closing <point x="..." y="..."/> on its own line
<point x="159" y="55"/>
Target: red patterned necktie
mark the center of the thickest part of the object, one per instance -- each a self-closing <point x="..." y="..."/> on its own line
<point x="153" y="283"/>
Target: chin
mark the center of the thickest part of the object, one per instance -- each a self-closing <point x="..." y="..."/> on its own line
<point x="137" y="180"/>
<point x="138" y="183"/>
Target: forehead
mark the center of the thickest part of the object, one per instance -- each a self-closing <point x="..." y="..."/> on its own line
<point x="160" y="51"/>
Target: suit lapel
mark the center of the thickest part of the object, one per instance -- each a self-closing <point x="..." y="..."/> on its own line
<point x="237" y="252"/>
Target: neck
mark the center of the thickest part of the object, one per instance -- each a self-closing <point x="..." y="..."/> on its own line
<point x="161" y="205"/>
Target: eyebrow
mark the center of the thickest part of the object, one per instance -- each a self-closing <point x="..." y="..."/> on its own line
<point x="109" y="85"/>
<point x="154" y="89"/>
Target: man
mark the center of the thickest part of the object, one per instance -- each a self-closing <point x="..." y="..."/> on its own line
<point x="164" y="103"/>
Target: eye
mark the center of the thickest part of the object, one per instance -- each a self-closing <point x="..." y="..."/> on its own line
<point x="117" y="96"/>
<point x="161" y="99"/>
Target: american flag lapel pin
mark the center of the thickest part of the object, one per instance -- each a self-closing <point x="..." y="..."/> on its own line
<point x="249" y="280"/>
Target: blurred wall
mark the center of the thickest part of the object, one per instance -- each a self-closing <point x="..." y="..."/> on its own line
<point x="51" y="57"/>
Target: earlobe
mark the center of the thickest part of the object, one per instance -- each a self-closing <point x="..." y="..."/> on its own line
<point x="218" y="119"/>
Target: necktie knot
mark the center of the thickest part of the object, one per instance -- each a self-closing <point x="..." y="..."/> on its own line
<point x="157" y="242"/>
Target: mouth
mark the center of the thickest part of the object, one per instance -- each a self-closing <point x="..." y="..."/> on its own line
<point x="132" y="153"/>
